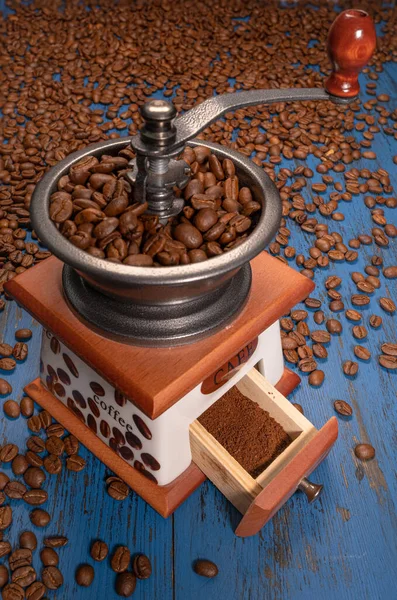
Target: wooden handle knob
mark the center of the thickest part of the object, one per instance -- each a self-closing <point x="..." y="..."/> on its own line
<point x="312" y="490"/>
<point x="351" y="43"/>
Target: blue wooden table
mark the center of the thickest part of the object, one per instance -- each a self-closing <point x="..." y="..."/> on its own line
<point x="343" y="547"/>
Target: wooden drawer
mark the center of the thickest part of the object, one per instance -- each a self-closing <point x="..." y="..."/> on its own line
<point x="259" y="499"/>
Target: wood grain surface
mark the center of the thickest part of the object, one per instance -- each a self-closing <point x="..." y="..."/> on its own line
<point x="344" y="547"/>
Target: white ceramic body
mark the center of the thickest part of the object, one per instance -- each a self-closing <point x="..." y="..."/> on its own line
<point x="159" y="448"/>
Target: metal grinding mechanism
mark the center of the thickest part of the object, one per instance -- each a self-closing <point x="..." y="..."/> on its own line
<point x="132" y="356"/>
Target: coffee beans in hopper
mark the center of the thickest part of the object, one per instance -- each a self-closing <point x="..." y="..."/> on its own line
<point x="102" y="218"/>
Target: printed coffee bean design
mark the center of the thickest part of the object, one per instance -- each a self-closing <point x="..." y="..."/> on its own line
<point x="142" y="427"/>
<point x="133" y="440"/>
<point x="98" y="413"/>
<point x="104" y="428"/>
<point x="94" y="408"/>
<point x="126" y="453"/>
<point x="119" y="398"/>
<point x="63" y="376"/>
<point x="79" y="399"/>
<point x="150" y="461"/>
<point x="70" y="365"/>
<point x="92" y="423"/>
<point x="97" y="388"/>
<point x="55" y="345"/>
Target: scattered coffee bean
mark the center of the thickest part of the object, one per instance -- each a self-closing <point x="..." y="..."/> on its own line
<point x="5" y="548"/>
<point x="120" y="559"/>
<point x="27" y="406"/>
<point x="22" y="557"/>
<point x="71" y="445"/>
<point x="4" y="479"/>
<point x="35" y="497"/>
<point x="28" y="540"/>
<point x="316" y="378"/>
<point x="387" y="361"/>
<point x="34" y="477"/>
<point x="125" y="584"/>
<point x="49" y="557"/>
<point x="205" y="568"/>
<point x="15" y="490"/>
<point x="35" y="591"/>
<point x="387" y="304"/>
<point x="52" y="577"/>
<point x="11" y="409"/>
<point x="20" y="351"/>
<point x="84" y="575"/>
<point x="390" y="349"/>
<point x="19" y="464"/>
<point x="54" y="445"/>
<point x="333" y="326"/>
<point x="40" y="517"/>
<point x="99" y="550"/>
<point x="375" y="321"/>
<point x="35" y="444"/>
<point x="364" y="451"/>
<point x="360" y="332"/>
<point x="8" y="453"/>
<point x="3" y="576"/>
<point x="142" y="566"/>
<point x="13" y="591"/>
<point x="52" y="464"/>
<point x="390" y="272"/>
<point x="350" y="367"/>
<point x="5" y="387"/>
<point x="298" y="407"/>
<point x="75" y="463"/>
<point x="55" y="541"/>
<point x="362" y="352"/>
<point x="118" y="490"/>
<point x="23" y="335"/>
<point x="343" y="408"/>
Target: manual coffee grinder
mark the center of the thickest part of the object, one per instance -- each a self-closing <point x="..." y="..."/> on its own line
<point x="132" y="356"/>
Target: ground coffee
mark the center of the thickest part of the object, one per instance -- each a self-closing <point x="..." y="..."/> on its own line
<point x="246" y="431"/>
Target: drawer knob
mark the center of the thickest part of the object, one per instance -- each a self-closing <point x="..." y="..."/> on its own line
<point x="312" y="490"/>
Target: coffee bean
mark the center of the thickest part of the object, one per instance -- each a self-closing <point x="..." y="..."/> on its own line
<point x="353" y="315"/>
<point x="75" y="463"/>
<point x="387" y="304"/>
<point x="5" y="350"/>
<point x="125" y="584"/>
<point x="307" y="365"/>
<point x="319" y="351"/>
<point x="15" y="489"/>
<point x="52" y="577"/>
<point x="40" y="517"/>
<point x="5" y="387"/>
<point x="333" y="326"/>
<point x="375" y="321"/>
<point x="360" y="300"/>
<point x="52" y="464"/>
<point x="350" y="367"/>
<point x="20" y="351"/>
<point x="5" y="549"/>
<point x="27" y="406"/>
<point x="387" y="361"/>
<point x="4" y="479"/>
<point x="34" y="477"/>
<point x="23" y="335"/>
<point x="3" y="576"/>
<point x="99" y="550"/>
<point x="35" y="591"/>
<point x="54" y="445"/>
<point x="316" y="378"/>
<point x="8" y="453"/>
<point x="390" y="349"/>
<point x="205" y="568"/>
<point x="24" y="576"/>
<point x="45" y="419"/>
<point x="35" y="444"/>
<point x="28" y="540"/>
<point x="390" y="272"/>
<point x="359" y="332"/>
<point x="298" y="407"/>
<point x="320" y="336"/>
<point x="34" y="424"/>
<point x="84" y="575"/>
<point x="11" y="409"/>
<point x="55" y="429"/>
<point x="71" y="445"/>
<point x="49" y="557"/>
<point x="19" y="464"/>
<point x="312" y="303"/>
<point x="120" y="559"/>
<point x="13" y="591"/>
<point x="142" y="566"/>
<point x="364" y="451"/>
<point x="35" y="497"/>
<point x="332" y="282"/>
<point x="7" y="364"/>
<point x="55" y="541"/>
<point x="22" y="557"/>
<point x="319" y="317"/>
<point x="362" y="352"/>
<point x="343" y="408"/>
